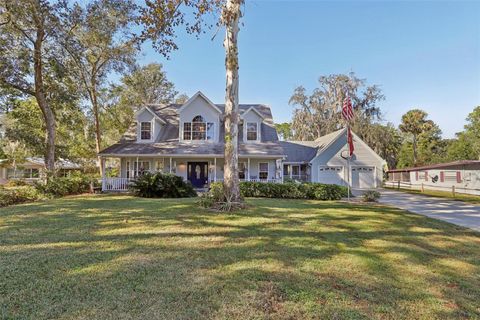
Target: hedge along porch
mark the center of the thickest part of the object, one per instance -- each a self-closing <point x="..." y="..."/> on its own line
<point x="199" y="170"/>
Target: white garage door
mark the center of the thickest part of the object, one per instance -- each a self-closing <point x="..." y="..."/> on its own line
<point x="363" y="177"/>
<point x="330" y="175"/>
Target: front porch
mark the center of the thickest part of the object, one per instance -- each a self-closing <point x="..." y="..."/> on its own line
<point x="299" y="172"/>
<point x="200" y="171"/>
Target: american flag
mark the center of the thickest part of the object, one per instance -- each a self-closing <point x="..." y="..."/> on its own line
<point x="347" y="110"/>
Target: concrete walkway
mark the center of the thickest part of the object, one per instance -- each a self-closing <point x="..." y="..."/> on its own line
<point x="456" y="212"/>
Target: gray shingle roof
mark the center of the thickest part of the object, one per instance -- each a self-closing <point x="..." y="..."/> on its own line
<point x="305" y="151"/>
<point x="167" y="141"/>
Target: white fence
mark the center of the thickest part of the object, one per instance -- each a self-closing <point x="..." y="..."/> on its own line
<point x="452" y="189"/>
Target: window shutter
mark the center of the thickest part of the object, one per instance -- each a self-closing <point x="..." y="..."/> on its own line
<point x="416" y="175"/>
<point x="459" y="177"/>
<point x="442" y="176"/>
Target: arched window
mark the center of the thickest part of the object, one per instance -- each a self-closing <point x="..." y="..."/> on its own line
<point x="198" y="129"/>
<point x="198" y="119"/>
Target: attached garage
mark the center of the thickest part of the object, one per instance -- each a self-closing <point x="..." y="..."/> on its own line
<point x="328" y="164"/>
<point x="330" y="175"/>
<point x="363" y="177"/>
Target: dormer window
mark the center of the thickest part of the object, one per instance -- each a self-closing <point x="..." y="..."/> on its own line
<point x="198" y="129"/>
<point x="145" y="130"/>
<point x="252" y="131"/>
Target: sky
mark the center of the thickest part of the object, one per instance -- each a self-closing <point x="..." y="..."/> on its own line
<point x="422" y="54"/>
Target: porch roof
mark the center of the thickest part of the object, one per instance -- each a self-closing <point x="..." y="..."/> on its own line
<point x="173" y="147"/>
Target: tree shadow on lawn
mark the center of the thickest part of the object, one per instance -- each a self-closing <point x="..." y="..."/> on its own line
<point x="279" y="259"/>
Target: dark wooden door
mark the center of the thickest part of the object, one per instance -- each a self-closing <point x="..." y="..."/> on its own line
<point x="197" y="174"/>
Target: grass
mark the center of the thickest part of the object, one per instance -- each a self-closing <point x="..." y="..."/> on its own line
<point x="119" y="257"/>
<point x="443" y="194"/>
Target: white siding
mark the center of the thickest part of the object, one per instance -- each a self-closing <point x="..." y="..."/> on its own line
<point x="147" y="116"/>
<point x="252" y="116"/>
<point x="469" y="174"/>
<point x="362" y="156"/>
<point x="200" y="107"/>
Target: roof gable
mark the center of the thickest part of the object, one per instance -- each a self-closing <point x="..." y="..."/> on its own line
<point x="325" y="142"/>
<point x="154" y="114"/>
<point x="196" y="96"/>
<point x="252" y="109"/>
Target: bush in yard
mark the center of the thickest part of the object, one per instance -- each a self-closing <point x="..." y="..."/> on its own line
<point x="16" y="183"/>
<point x="10" y="196"/>
<point x="371" y="196"/>
<point x="162" y="185"/>
<point x="76" y="183"/>
<point x="288" y="190"/>
<point x="213" y="197"/>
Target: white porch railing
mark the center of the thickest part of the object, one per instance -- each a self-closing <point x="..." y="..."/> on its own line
<point x="115" y="184"/>
<point x="122" y="184"/>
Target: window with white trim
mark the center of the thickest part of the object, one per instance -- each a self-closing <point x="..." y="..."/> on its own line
<point x="252" y="131"/>
<point x="242" y="169"/>
<point x="160" y="165"/>
<point x="138" y="168"/>
<point x="263" y="170"/>
<point x="198" y="129"/>
<point x="295" y="170"/>
<point x="25" y="173"/>
<point x="145" y="130"/>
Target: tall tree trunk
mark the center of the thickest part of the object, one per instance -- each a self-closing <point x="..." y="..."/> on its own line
<point x="414" y="145"/>
<point x="96" y="118"/>
<point x="231" y="183"/>
<point x="43" y="104"/>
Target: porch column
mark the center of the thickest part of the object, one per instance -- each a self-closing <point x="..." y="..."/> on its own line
<point x="290" y="170"/>
<point x="137" y="169"/>
<point x="102" y="159"/>
<point x="129" y="168"/>
<point x="170" y="168"/>
<point x="215" y="169"/>
<point x="248" y="169"/>
<point x="281" y="169"/>
<point x="278" y="170"/>
<point x="375" y="174"/>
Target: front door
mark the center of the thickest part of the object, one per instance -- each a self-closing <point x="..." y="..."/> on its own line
<point x="197" y="174"/>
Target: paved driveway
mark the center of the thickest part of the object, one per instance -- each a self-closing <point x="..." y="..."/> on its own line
<point x="456" y="212"/>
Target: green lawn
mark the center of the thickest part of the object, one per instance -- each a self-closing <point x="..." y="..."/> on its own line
<point x="119" y="257"/>
<point x="444" y="194"/>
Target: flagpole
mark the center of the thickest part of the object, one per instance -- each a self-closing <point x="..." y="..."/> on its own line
<point x="348" y="167"/>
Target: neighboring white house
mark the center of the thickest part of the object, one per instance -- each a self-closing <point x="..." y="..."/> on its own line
<point x="188" y="140"/>
<point x="457" y="176"/>
<point x="32" y="169"/>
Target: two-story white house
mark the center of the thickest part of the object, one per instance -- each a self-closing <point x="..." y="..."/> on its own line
<point x="188" y="140"/>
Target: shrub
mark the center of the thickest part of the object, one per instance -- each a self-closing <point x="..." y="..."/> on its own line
<point x="16" y="183"/>
<point x="162" y="185"/>
<point x="76" y="183"/>
<point x="213" y="196"/>
<point x="371" y="196"/>
<point x="288" y="190"/>
<point x="10" y="196"/>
